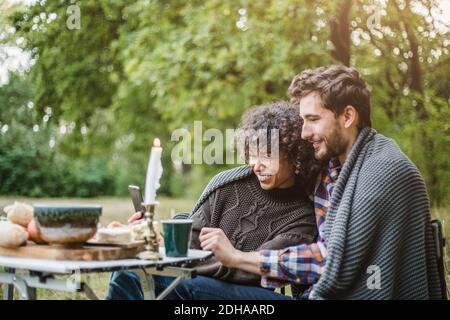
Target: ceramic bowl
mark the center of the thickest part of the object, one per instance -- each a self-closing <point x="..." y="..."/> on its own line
<point x="69" y="225"/>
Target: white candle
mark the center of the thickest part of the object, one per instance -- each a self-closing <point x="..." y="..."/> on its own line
<point x="154" y="172"/>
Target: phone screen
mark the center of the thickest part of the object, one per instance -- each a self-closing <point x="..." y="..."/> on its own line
<point x="136" y="197"/>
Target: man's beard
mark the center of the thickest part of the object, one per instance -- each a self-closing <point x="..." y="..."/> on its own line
<point x="335" y="146"/>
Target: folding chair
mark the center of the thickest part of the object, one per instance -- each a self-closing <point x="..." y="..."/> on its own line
<point x="440" y="249"/>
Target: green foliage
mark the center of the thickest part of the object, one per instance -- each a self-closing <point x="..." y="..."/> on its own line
<point x="29" y="166"/>
<point x="137" y="70"/>
<point x="427" y="142"/>
<point x="36" y="170"/>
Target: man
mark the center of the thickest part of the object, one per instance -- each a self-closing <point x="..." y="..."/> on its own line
<point x="372" y="210"/>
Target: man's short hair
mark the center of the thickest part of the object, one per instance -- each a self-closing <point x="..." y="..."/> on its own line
<point x="338" y="87"/>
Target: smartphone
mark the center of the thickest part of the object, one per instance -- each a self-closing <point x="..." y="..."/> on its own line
<point x="136" y="197"/>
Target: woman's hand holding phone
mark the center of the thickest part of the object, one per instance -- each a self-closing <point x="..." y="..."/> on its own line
<point x="136" y="217"/>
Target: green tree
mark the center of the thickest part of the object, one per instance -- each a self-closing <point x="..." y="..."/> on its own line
<point x="137" y="70"/>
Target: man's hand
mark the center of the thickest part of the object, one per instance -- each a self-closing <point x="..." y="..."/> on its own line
<point x="215" y="240"/>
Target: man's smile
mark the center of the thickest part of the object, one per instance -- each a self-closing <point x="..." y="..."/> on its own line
<point x="316" y="144"/>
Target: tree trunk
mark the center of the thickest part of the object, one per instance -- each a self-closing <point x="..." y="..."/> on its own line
<point x="416" y="85"/>
<point x="340" y="33"/>
<point x="415" y="71"/>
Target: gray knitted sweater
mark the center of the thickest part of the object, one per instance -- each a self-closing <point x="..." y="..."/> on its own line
<point x="378" y="216"/>
<point x="252" y="219"/>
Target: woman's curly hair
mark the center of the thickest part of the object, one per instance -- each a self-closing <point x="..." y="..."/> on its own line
<point x="286" y="118"/>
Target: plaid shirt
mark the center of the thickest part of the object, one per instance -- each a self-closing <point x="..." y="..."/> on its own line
<point x="303" y="264"/>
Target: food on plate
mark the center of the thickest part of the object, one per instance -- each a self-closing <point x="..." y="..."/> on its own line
<point x="116" y="224"/>
<point x="19" y="213"/>
<point x="117" y="232"/>
<point x="33" y="234"/>
<point x="114" y="235"/>
<point x="12" y="235"/>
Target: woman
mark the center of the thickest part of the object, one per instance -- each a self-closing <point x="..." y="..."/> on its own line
<point x="263" y="205"/>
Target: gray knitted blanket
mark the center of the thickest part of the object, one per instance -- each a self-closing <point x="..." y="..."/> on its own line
<point x="378" y="224"/>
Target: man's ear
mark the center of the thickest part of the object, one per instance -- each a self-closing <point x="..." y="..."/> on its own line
<point x="350" y="116"/>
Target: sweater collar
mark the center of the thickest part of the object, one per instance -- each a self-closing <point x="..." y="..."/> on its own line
<point x="290" y="194"/>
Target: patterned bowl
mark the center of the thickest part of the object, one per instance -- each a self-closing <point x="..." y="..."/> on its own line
<point x="70" y="225"/>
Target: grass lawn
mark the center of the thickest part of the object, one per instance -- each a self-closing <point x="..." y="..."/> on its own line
<point x="119" y="209"/>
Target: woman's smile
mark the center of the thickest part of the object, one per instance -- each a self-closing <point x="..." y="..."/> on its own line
<point x="264" y="178"/>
